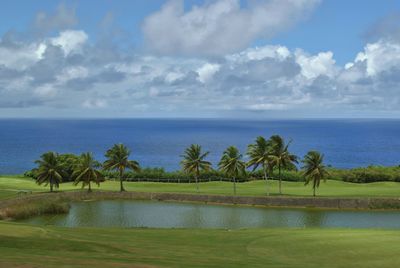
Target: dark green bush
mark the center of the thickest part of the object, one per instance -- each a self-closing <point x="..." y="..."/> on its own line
<point x="366" y="174"/>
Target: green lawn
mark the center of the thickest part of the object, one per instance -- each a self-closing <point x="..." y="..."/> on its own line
<point x="9" y="187"/>
<point x="23" y="245"/>
<point x="33" y="246"/>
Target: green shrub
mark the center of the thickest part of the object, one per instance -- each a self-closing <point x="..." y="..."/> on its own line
<point x="366" y="174"/>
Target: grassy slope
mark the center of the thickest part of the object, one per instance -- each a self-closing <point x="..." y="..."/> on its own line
<point x="33" y="246"/>
<point x="9" y="187"/>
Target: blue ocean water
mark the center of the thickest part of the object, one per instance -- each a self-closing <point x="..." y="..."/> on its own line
<point x="160" y="142"/>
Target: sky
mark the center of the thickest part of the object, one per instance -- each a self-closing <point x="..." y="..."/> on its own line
<point x="250" y="59"/>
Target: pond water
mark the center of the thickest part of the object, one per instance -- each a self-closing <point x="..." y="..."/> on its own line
<point x="127" y="213"/>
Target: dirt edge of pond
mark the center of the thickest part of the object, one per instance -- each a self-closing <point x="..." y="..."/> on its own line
<point x="267" y="201"/>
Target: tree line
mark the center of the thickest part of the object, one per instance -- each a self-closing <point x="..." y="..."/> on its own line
<point x="268" y="155"/>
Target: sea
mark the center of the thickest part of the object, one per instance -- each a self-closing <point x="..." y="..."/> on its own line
<point x="346" y="143"/>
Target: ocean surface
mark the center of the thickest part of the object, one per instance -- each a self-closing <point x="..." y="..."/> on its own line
<point x="160" y="142"/>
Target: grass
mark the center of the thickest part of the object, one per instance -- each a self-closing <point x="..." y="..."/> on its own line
<point x="23" y="245"/>
<point x="10" y="187"/>
<point x="33" y="246"/>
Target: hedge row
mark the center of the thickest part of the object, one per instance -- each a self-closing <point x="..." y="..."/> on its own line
<point x="356" y="175"/>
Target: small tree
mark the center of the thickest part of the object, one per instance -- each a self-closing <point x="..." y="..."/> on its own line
<point x="118" y="159"/>
<point x="86" y="171"/>
<point x="314" y="169"/>
<point x="50" y="170"/>
<point x="232" y="165"/>
<point x="193" y="162"/>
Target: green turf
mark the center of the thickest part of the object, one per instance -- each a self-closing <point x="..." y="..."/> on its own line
<point x="24" y="245"/>
<point x="10" y="186"/>
<point x="33" y="246"/>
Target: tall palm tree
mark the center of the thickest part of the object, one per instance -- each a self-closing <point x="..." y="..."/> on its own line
<point x="259" y="154"/>
<point x="86" y="171"/>
<point x="281" y="157"/>
<point x="232" y="165"/>
<point x="50" y="170"/>
<point x="314" y="169"/>
<point x="193" y="162"/>
<point x="118" y="159"/>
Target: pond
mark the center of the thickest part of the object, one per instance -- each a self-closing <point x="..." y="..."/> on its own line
<point x="127" y="213"/>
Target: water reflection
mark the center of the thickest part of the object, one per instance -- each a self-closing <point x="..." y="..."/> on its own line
<point x="124" y="213"/>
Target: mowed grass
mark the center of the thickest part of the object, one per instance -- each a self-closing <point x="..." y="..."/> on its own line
<point x="23" y="245"/>
<point x="33" y="246"/>
<point x="11" y="187"/>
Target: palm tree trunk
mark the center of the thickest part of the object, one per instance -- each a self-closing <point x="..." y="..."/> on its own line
<point x="51" y="186"/>
<point x="90" y="188"/>
<point x="314" y="184"/>
<point x="266" y="178"/>
<point x="197" y="175"/>
<point x="280" y="179"/>
<point x="122" y="189"/>
<point x="234" y="185"/>
<point x="197" y="183"/>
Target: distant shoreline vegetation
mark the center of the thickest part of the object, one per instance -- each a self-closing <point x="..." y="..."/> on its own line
<point x="372" y="173"/>
<point x="266" y="159"/>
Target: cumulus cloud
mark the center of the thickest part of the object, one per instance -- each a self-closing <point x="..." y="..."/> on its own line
<point x="314" y="66"/>
<point x="65" y="73"/>
<point x="70" y="40"/>
<point x="219" y="27"/>
<point x="206" y="72"/>
<point x="379" y="56"/>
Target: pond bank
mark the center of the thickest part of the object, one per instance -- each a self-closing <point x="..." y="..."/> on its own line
<point x="268" y="201"/>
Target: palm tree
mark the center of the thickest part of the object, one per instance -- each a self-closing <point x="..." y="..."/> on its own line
<point x="118" y="160"/>
<point x="193" y="162"/>
<point x="232" y="165"/>
<point x="314" y="169"/>
<point x="86" y="171"/>
<point x="281" y="157"/>
<point x="50" y="170"/>
<point x="259" y="154"/>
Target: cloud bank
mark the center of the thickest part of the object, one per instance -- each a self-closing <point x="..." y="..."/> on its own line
<point x="66" y="73"/>
<point x="219" y="27"/>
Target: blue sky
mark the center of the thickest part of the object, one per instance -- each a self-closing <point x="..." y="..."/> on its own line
<point x="222" y="58"/>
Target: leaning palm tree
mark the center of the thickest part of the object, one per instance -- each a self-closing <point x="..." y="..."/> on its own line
<point x="232" y="165"/>
<point x="86" y="171"/>
<point x="193" y="162"/>
<point x="50" y="170"/>
<point x="314" y="169"/>
<point x="259" y="154"/>
<point x="117" y="159"/>
<point x="281" y="157"/>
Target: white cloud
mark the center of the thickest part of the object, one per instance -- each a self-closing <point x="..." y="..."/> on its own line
<point x="260" y="53"/>
<point x="20" y="56"/>
<point x="313" y="66"/>
<point x="219" y="27"/>
<point x="379" y="56"/>
<point x="256" y="81"/>
<point x="70" y="40"/>
<point x="207" y="71"/>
